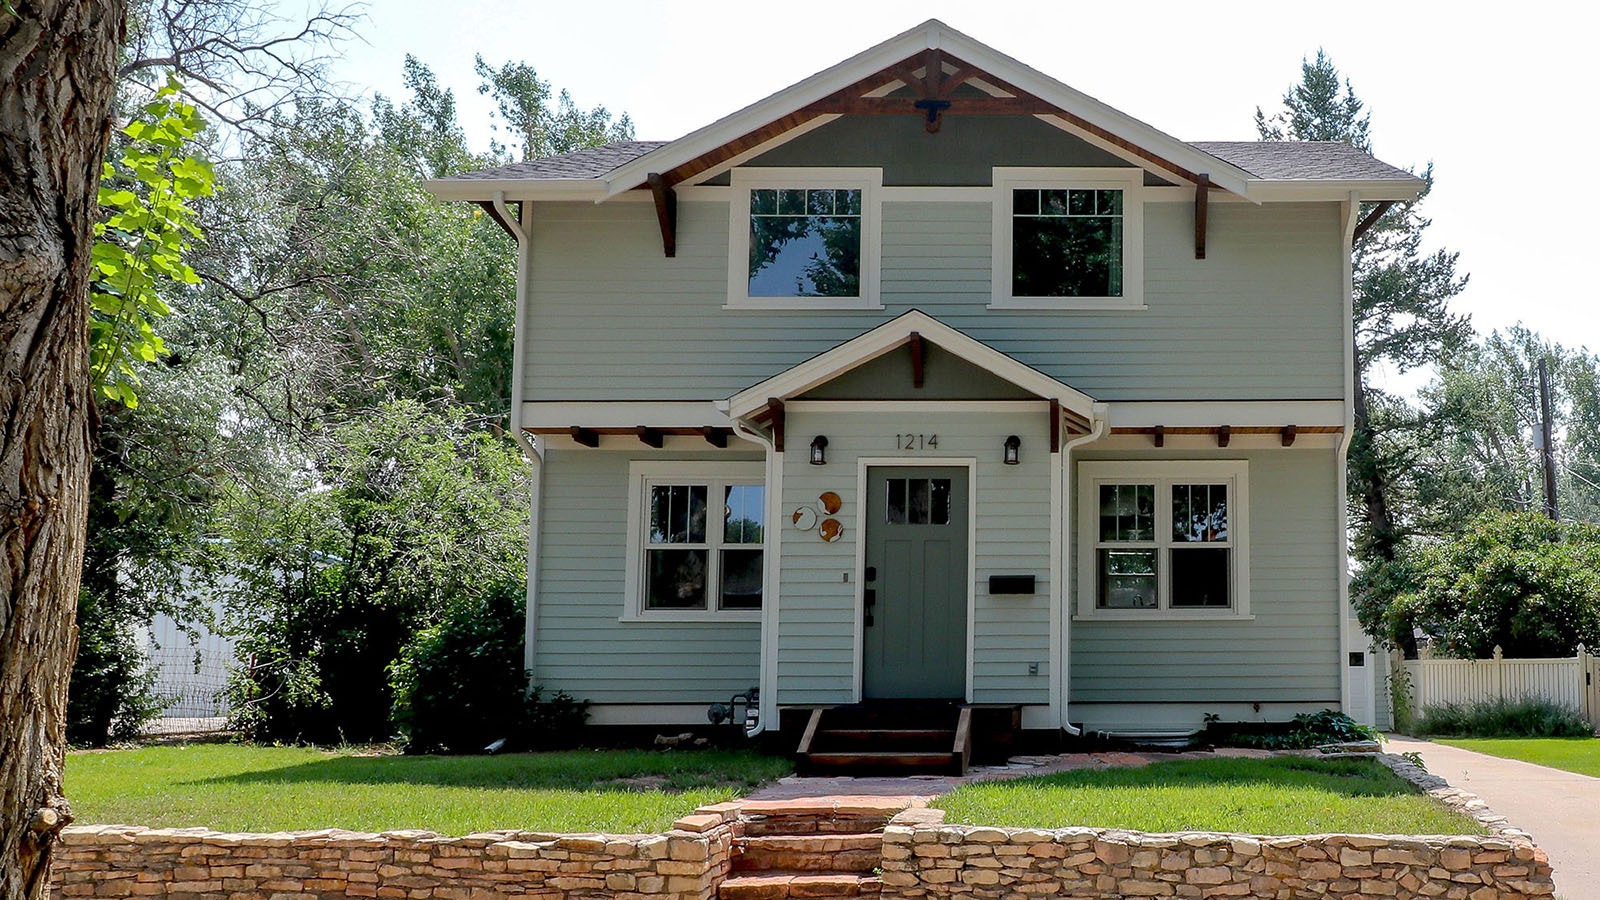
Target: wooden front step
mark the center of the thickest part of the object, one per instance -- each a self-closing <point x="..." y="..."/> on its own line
<point x="922" y="738"/>
<point x="838" y="853"/>
<point x="781" y="885"/>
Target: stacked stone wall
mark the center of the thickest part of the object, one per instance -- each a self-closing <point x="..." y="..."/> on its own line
<point x="686" y="863"/>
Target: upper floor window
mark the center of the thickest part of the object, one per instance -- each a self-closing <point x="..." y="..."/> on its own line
<point x="803" y="239"/>
<point x="1068" y="239"/>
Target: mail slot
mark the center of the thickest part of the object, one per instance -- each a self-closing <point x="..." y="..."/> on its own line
<point x="1011" y="584"/>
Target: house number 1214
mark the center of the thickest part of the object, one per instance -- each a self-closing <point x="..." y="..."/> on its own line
<point x="916" y="442"/>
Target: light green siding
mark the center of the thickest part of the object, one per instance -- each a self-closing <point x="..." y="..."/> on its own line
<point x="1288" y="653"/>
<point x="1011" y="510"/>
<point x="581" y="646"/>
<point x="612" y="319"/>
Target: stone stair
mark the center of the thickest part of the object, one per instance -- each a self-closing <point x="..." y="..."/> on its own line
<point x="817" y="847"/>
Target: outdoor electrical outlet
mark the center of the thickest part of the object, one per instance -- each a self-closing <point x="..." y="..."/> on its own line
<point x="1033" y="668"/>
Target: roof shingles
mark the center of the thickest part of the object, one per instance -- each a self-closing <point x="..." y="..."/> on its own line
<point x="579" y="164"/>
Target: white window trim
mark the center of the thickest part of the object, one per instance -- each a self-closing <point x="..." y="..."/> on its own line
<point x="641" y="473"/>
<point x="1129" y="181"/>
<point x="868" y="180"/>
<point x="1092" y="474"/>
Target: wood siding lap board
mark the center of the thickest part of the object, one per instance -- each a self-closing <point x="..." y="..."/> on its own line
<point x="1257" y="320"/>
<point x="582" y="648"/>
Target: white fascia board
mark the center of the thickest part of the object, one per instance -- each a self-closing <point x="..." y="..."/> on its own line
<point x="515" y="189"/>
<point x="1237" y="413"/>
<point x="872" y="344"/>
<point x="624" y="414"/>
<point x="1290" y="190"/>
<point x="930" y="35"/>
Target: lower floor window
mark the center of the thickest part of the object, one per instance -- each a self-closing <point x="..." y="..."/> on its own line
<point x="703" y="543"/>
<point x="1163" y="536"/>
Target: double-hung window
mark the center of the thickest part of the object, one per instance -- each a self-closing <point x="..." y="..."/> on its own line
<point x="1163" y="539"/>
<point x="1068" y="239"/>
<point x="697" y="541"/>
<point x="803" y="239"/>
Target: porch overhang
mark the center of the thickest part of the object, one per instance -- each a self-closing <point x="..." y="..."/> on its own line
<point x="762" y="402"/>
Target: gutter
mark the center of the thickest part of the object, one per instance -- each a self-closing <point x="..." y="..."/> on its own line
<point x="1102" y="413"/>
<point x="767" y="708"/>
<point x="1342" y="455"/>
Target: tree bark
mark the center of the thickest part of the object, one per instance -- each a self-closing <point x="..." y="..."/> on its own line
<point x="57" y="70"/>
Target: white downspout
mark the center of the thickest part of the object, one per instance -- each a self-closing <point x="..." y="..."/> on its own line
<point x="767" y="711"/>
<point x="522" y="224"/>
<point x="1352" y="214"/>
<point x="1064" y="564"/>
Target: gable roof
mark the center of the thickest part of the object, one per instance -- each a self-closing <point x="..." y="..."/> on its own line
<point x="1254" y="170"/>
<point x="895" y="333"/>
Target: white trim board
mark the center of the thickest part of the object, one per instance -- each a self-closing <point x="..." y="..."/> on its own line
<point x="623" y="414"/>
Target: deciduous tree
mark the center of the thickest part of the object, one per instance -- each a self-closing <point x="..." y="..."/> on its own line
<point x="57" y="84"/>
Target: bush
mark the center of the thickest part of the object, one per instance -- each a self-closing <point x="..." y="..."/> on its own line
<point x="1525" y="717"/>
<point x="1305" y="731"/>
<point x="459" y="685"/>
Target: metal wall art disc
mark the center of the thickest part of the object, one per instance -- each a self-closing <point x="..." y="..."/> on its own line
<point x="830" y="530"/>
<point x="804" y="518"/>
<point x="830" y="502"/>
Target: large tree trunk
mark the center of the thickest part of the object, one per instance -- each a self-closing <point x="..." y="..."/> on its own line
<point x="57" y="68"/>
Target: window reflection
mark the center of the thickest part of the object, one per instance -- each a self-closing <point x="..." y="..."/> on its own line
<point x="805" y="243"/>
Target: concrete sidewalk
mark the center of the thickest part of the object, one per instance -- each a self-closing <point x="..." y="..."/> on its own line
<point x="1560" y="809"/>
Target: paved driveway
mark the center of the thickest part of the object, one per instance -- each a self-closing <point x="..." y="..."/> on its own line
<point x="1560" y="809"/>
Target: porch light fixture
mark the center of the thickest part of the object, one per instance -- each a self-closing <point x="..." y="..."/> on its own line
<point x="819" y="451"/>
<point x="1013" y="450"/>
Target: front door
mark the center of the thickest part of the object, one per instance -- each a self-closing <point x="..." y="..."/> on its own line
<point x="914" y="587"/>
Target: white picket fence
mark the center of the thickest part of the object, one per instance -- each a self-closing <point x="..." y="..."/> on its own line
<point x="1573" y="682"/>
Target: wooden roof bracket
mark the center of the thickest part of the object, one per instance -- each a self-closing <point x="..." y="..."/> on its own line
<point x="1224" y="435"/>
<point x="651" y="437"/>
<point x="1289" y="432"/>
<point x="776" y="405"/>
<point x="1202" y="191"/>
<point x="1055" y="425"/>
<point x="917" y="368"/>
<point x="1371" y="219"/>
<point x="1160" y="433"/>
<point x="716" y="437"/>
<point x="494" y="213"/>
<point x="587" y="437"/>
<point x="666" y="212"/>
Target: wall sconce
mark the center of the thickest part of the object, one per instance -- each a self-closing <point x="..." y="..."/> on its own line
<point x="819" y="451"/>
<point x="1013" y="450"/>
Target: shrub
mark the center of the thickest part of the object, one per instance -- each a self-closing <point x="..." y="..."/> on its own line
<point x="459" y="685"/>
<point x="1305" y="731"/>
<point x="1524" y="717"/>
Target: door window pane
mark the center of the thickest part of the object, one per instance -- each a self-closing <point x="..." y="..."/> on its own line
<point x="939" y="501"/>
<point x="675" y="579"/>
<point x="1200" y="577"/>
<point x="741" y="579"/>
<point x="918" y="501"/>
<point x="897" y="501"/>
<point x="1127" y="579"/>
<point x="1199" y="512"/>
<point x="744" y="508"/>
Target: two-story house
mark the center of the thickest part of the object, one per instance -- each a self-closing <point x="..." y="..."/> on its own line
<point x="931" y="378"/>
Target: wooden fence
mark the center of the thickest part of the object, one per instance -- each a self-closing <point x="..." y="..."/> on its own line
<point x="1573" y="682"/>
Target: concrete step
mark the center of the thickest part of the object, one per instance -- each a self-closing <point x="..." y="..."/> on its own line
<point x="782" y="885"/>
<point x="854" y="853"/>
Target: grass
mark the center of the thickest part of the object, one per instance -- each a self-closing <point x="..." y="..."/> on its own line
<point x="1283" y="795"/>
<point x="1573" y="754"/>
<point x="233" y="787"/>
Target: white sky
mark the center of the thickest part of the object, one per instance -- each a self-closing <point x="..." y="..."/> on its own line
<point x="1501" y="97"/>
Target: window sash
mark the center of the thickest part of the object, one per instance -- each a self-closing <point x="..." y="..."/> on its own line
<point x="712" y="548"/>
<point x="1164" y="541"/>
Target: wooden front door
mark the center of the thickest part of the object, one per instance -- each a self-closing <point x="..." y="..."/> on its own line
<point x="914" y="586"/>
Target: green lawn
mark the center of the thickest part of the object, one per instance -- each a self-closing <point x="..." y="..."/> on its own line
<point x="1581" y="755"/>
<point x="1284" y="795"/>
<point x="245" y="788"/>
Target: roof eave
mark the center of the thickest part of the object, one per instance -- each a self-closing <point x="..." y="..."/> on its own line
<point x="1284" y="190"/>
<point x="483" y="189"/>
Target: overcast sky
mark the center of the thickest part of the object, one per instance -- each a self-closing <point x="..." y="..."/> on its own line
<point x="1500" y="97"/>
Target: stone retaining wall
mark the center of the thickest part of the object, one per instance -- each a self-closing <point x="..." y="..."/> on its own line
<point x="115" y="861"/>
<point x="927" y="861"/>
